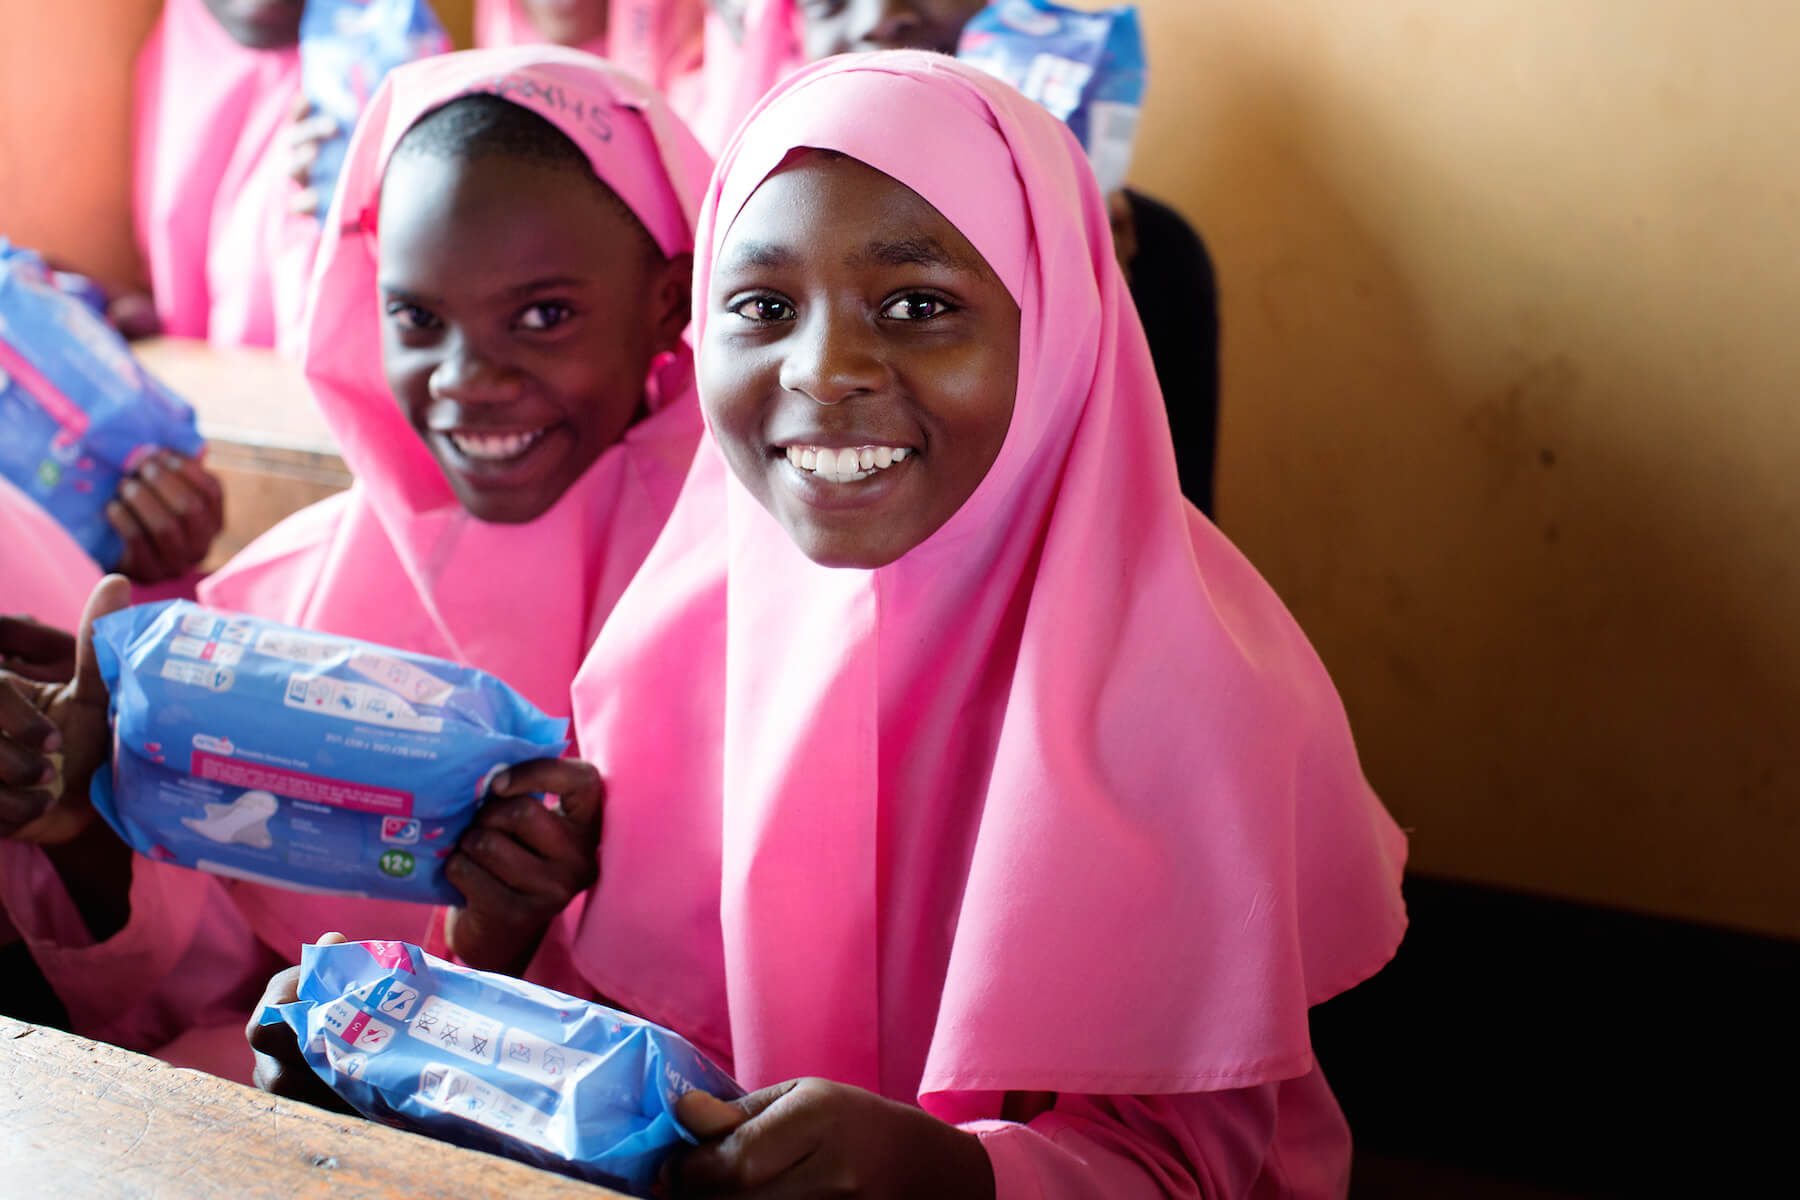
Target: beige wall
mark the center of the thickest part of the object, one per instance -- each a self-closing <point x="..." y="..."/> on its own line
<point x="65" y="152"/>
<point x="1511" y="292"/>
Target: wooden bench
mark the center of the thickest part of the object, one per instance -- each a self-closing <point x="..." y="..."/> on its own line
<point x="82" y="1119"/>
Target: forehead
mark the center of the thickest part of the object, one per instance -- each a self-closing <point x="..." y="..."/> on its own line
<point x="820" y="204"/>
<point x="448" y="213"/>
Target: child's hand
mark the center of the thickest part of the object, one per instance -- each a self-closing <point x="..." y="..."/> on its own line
<point x="54" y="736"/>
<point x="815" y="1138"/>
<point x="33" y="650"/>
<point x="280" y="1067"/>
<point x="521" y="861"/>
<point x="133" y="314"/>
<point x="168" y="512"/>
<point x="300" y="141"/>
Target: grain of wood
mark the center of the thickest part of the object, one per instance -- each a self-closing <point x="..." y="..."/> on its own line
<point x="82" y="1119"/>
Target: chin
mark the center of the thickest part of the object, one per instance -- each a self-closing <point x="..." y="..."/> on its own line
<point x="496" y="510"/>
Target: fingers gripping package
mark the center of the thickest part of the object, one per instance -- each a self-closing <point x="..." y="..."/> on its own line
<point x="495" y="1063"/>
<point x="346" y="48"/>
<point x="258" y="751"/>
<point x="1088" y="68"/>
<point x="78" y="412"/>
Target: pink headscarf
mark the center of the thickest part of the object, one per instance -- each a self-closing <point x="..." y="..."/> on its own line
<point x="1062" y="800"/>
<point x="396" y="559"/>
<point x="659" y="41"/>
<point x="210" y="193"/>
<point x="45" y="574"/>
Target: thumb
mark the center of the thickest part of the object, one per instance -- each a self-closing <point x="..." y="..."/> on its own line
<point x="707" y="1117"/>
<point x="112" y="594"/>
<point x="331" y="939"/>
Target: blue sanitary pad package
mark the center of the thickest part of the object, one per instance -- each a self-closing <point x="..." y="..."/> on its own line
<point x="1086" y="67"/>
<point x="346" y="48"/>
<point x="250" y="749"/>
<point x="494" y="1063"/>
<point x="77" y="411"/>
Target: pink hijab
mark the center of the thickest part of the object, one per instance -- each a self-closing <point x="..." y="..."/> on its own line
<point x="659" y="41"/>
<point x="396" y="559"/>
<point x="45" y="575"/>
<point x="211" y="194"/>
<point x="1062" y="800"/>
<point x="741" y="66"/>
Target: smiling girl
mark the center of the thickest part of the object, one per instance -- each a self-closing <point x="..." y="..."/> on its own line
<point x="496" y="338"/>
<point x="1015" y="824"/>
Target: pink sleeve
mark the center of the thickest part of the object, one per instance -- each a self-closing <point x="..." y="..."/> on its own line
<point x="185" y="959"/>
<point x="1286" y="1139"/>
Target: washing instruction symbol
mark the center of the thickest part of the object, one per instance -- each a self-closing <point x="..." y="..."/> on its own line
<point x="244" y="822"/>
<point x="396" y="863"/>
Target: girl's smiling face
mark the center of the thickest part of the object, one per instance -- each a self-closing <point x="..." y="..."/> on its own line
<point x="859" y="362"/>
<point x="522" y="308"/>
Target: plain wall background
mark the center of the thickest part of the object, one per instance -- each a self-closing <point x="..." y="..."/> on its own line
<point x="1512" y="412"/>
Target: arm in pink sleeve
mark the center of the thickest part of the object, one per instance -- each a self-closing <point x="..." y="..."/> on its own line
<point x="185" y="958"/>
<point x="1286" y="1139"/>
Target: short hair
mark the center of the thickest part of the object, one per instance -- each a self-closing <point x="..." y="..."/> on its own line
<point x="482" y="125"/>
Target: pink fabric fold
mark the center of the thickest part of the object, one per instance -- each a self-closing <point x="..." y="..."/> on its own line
<point x="45" y="574"/>
<point x="741" y="65"/>
<point x="659" y="41"/>
<point x="211" y="187"/>
<point x="397" y="560"/>
<point x="1061" y="800"/>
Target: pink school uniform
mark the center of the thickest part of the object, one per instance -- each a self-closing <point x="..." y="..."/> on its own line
<point x="227" y="259"/>
<point x="46" y="575"/>
<point x="396" y="559"/>
<point x="1061" y="801"/>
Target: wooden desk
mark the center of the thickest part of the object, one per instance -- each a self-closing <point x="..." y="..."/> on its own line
<point x="265" y="438"/>
<point x="81" y="1119"/>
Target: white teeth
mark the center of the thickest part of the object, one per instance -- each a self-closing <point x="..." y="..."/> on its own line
<point x="493" y="447"/>
<point x="846" y="465"/>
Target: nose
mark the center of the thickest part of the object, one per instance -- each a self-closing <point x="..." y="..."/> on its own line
<point x="469" y="375"/>
<point x="886" y="25"/>
<point x="834" y="358"/>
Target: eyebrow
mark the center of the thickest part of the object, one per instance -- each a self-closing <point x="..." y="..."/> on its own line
<point x="915" y="250"/>
<point x="520" y="292"/>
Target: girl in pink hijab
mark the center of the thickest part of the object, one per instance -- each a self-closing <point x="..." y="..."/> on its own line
<point x="216" y="83"/>
<point x="968" y="794"/>
<point x="496" y="339"/>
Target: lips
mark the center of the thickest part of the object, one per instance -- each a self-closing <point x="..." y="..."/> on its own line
<point x="494" y="448"/>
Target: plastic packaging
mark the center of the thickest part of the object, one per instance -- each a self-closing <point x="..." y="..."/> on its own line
<point x="495" y="1063"/>
<point x="1088" y="68"/>
<point x="346" y="48"/>
<point x="77" y="411"/>
<point x="251" y="749"/>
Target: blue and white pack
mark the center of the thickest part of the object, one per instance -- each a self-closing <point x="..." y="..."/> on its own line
<point x="79" y="413"/>
<point x="347" y="47"/>
<point x="494" y="1063"/>
<point x="251" y="749"/>
<point x="1088" y="68"/>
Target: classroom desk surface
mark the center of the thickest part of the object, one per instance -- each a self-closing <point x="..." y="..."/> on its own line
<point x="81" y="1119"/>
<point x="266" y="441"/>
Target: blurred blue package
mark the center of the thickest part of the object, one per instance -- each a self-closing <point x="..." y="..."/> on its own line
<point x="1088" y="68"/>
<point x="254" y="750"/>
<point x="495" y="1063"/>
<point x="78" y="411"/>
<point x="347" y="47"/>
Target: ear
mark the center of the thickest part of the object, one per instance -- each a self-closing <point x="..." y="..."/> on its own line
<point x="673" y="288"/>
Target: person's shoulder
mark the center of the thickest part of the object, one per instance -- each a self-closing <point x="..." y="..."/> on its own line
<point x="1164" y="234"/>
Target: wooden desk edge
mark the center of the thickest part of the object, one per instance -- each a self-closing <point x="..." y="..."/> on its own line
<point x="81" y="1118"/>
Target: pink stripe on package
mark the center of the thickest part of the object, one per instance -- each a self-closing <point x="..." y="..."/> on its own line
<point x="298" y="785"/>
<point x="49" y="397"/>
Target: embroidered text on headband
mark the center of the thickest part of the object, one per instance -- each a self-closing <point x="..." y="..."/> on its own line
<point x="616" y="138"/>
